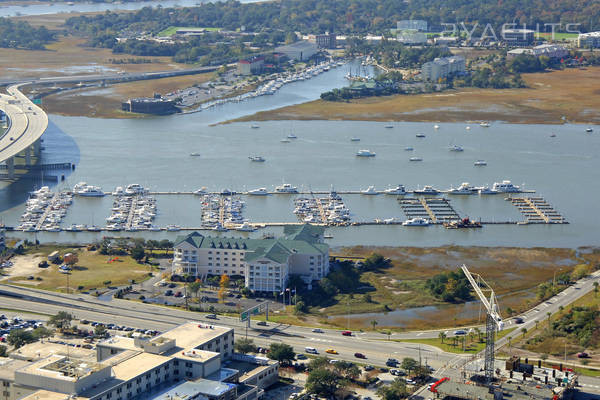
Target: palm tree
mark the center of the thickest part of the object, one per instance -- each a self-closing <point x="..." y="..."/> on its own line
<point x="374" y="324"/>
<point x="442" y="336"/>
<point x="478" y="331"/>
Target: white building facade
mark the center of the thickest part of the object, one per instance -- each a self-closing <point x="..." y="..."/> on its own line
<point x="442" y="67"/>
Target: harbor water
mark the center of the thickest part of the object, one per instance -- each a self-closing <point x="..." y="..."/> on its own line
<point x="155" y="152"/>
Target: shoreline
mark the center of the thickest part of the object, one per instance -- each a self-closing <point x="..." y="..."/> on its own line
<point x="551" y="98"/>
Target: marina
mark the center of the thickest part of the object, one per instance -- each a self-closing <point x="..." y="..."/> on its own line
<point x="437" y="210"/>
<point x="537" y="210"/>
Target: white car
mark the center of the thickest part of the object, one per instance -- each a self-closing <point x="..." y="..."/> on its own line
<point x="317" y="330"/>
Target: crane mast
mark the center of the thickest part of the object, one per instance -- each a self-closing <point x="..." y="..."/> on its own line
<point x="493" y="321"/>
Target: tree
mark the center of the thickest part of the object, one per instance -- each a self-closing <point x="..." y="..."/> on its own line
<point x="347" y="369"/>
<point x="375" y="262"/>
<point x="523" y="331"/>
<point x="395" y="391"/>
<point x="316" y="363"/>
<point x="166" y="244"/>
<point x="300" y="307"/>
<point x="20" y="337"/>
<point x="323" y="382"/>
<point x="3" y="351"/>
<point x="408" y="364"/>
<point x="195" y="287"/>
<point x="442" y="336"/>
<point x="138" y="253"/>
<point x="281" y="352"/>
<point x="374" y="323"/>
<point x="244" y="345"/>
<point x="100" y="330"/>
<point x="42" y="332"/>
<point x="62" y="320"/>
<point x="595" y="289"/>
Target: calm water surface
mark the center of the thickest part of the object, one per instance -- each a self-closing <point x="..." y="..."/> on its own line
<point x="155" y="153"/>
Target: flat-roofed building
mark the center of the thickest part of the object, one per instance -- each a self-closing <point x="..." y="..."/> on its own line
<point x="301" y="50"/>
<point x="588" y="40"/>
<point x="442" y="67"/>
<point x="518" y="37"/>
<point x="251" y="66"/>
<point x="326" y="41"/>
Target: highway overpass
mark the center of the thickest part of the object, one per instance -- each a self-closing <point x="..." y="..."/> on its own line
<point x="26" y="124"/>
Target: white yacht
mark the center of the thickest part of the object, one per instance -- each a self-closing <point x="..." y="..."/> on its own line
<point x="420" y="135"/>
<point x="589" y="130"/>
<point x="415" y="159"/>
<point x="485" y="124"/>
<point x="369" y="191"/>
<point x="245" y="227"/>
<point x="506" y="187"/>
<point x="455" y="148"/>
<point x="219" y="228"/>
<point x="355" y="139"/>
<point x="134" y="188"/>
<point x="487" y="190"/>
<point x="256" y="158"/>
<point x="93" y="228"/>
<point x="195" y="154"/>
<point x="258" y="192"/>
<point x="408" y="148"/>
<point x="468" y="128"/>
<point x="436" y="127"/>
<point x="254" y="126"/>
<point x="480" y="163"/>
<point x="286" y="188"/>
<point x="389" y="126"/>
<point x="173" y="228"/>
<point x="118" y="191"/>
<point x="427" y="189"/>
<point x="397" y="191"/>
<point x="90" y="191"/>
<point x="464" y="188"/>
<point x="418" y="221"/>
<point x="365" y="153"/>
<point x="285" y="140"/>
<point x="200" y="191"/>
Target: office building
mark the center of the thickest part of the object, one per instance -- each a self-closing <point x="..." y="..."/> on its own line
<point x="588" y="40"/>
<point x="518" y="37"/>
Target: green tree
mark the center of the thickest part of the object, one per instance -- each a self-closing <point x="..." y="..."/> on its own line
<point x="408" y="364"/>
<point x="138" y="253"/>
<point x="595" y="289"/>
<point x="244" y="346"/>
<point x="375" y="261"/>
<point x="323" y="382"/>
<point x="347" y="369"/>
<point x="442" y="336"/>
<point x="42" y="332"/>
<point x="62" y="320"/>
<point x="284" y="353"/>
<point x="100" y="330"/>
<point x="3" y="351"/>
<point x="395" y="391"/>
<point x="523" y="331"/>
<point x="195" y="287"/>
<point x="318" y="362"/>
<point x="20" y="337"/>
<point x="374" y="323"/>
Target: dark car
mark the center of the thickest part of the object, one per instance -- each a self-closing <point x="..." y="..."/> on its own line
<point x="369" y="368"/>
<point x="169" y="292"/>
<point x="359" y="355"/>
<point x="519" y="320"/>
<point x="583" y="354"/>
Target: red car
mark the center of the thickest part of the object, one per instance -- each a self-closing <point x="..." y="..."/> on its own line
<point x="359" y="355"/>
<point x="346" y="333"/>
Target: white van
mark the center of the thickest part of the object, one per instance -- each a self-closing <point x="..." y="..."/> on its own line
<point x="311" y="350"/>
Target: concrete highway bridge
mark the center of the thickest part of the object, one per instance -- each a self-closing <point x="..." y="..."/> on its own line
<point x="26" y="124"/>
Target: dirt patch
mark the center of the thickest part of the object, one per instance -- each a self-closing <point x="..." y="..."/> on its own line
<point x="549" y="97"/>
<point x="23" y="266"/>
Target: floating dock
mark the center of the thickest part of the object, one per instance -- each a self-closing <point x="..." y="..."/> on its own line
<point x="437" y="209"/>
<point x="537" y="210"/>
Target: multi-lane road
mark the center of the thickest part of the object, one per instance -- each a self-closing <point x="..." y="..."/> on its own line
<point x="27" y="123"/>
<point x="374" y="345"/>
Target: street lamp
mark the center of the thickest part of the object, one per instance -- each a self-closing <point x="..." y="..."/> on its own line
<point x="554" y="279"/>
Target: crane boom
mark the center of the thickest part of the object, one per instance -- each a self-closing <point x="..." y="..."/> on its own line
<point x="490" y="305"/>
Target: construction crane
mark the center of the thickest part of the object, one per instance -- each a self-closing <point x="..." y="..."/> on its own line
<point x="493" y="320"/>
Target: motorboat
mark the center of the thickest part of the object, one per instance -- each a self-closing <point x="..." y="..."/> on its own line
<point x="408" y="149"/>
<point x="389" y="126"/>
<point x="455" y="148"/>
<point x="93" y="228"/>
<point x="463" y="223"/>
<point x="506" y="187"/>
<point x="436" y="127"/>
<point x="118" y="191"/>
<point x="219" y="228"/>
<point x="134" y="189"/>
<point x="200" y="191"/>
<point x="420" y="135"/>
<point x="365" y="153"/>
<point x="468" y="128"/>
<point x="369" y="191"/>
<point x="226" y="192"/>
<point x="589" y="130"/>
<point x="464" y="189"/>
<point x="418" y="221"/>
<point x="245" y="227"/>
<point x="254" y="126"/>
<point x="397" y="191"/>
<point x="415" y="159"/>
<point x="258" y="192"/>
<point x="427" y="189"/>
<point x="85" y="190"/>
<point x="286" y="188"/>
<point x="485" y="124"/>
<point x="257" y="159"/>
<point x="486" y="190"/>
<point x="173" y="228"/>
<point x="355" y="139"/>
<point x="73" y="228"/>
<point x="285" y="140"/>
<point x="480" y="163"/>
<point x="553" y="135"/>
<point x="195" y="154"/>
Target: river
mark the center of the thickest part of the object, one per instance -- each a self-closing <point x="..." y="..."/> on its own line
<point x="155" y="153"/>
<point x="67" y="7"/>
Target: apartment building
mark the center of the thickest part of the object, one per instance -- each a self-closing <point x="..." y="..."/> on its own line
<point x="265" y="264"/>
<point x="588" y="40"/>
<point x="192" y="358"/>
<point x="442" y="67"/>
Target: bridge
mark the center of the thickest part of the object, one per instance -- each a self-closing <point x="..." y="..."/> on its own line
<point x="26" y="124"/>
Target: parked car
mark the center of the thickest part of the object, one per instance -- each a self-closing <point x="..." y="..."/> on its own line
<point x="369" y="368"/>
<point x="169" y="292"/>
<point x="359" y="355"/>
<point x="391" y="362"/>
<point x="178" y="294"/>
<point x="519" y="320"/>
<point x="347" y="333"/>
<point x="261" y="323"/>
<point x="300" y="356"/>
<point x="583" y="354"/>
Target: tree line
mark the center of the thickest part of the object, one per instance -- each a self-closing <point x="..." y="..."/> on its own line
<point x="21" y="35"/>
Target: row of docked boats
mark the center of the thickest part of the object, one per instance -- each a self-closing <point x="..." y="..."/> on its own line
<point x="219" y="213"/>
<point x="465" y="188"/>
<point x="329" y="210"/>
<point x="44" y="210"/>
<point x="276" y="82"/>
<point x="84" y="190"/>
<point x="132" y="213"/>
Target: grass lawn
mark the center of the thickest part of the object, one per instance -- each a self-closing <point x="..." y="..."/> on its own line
<point x="471" y="347"/>
<point x="170" y="31"/>
<point x="91" y="272"/>
<point x="558" y="35"/>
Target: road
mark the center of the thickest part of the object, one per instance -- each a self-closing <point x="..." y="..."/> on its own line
<point x="27" y="123"/>
<point x="374" y="345"/>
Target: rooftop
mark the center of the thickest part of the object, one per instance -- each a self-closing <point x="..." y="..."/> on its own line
<point x="8" y="366"/>
<point x="297" y="46"/>
<point x="589" y="34"/>
<point x="185" y="390"/>
<point x="137" y="365"/>
<point x="38" y="350"/>
<point x="46" y="395"/>
<point x="61" y="367"/>
<point x="191" y="334"/>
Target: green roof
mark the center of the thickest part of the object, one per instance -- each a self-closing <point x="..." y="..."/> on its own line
<point x="301" y="239"/>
